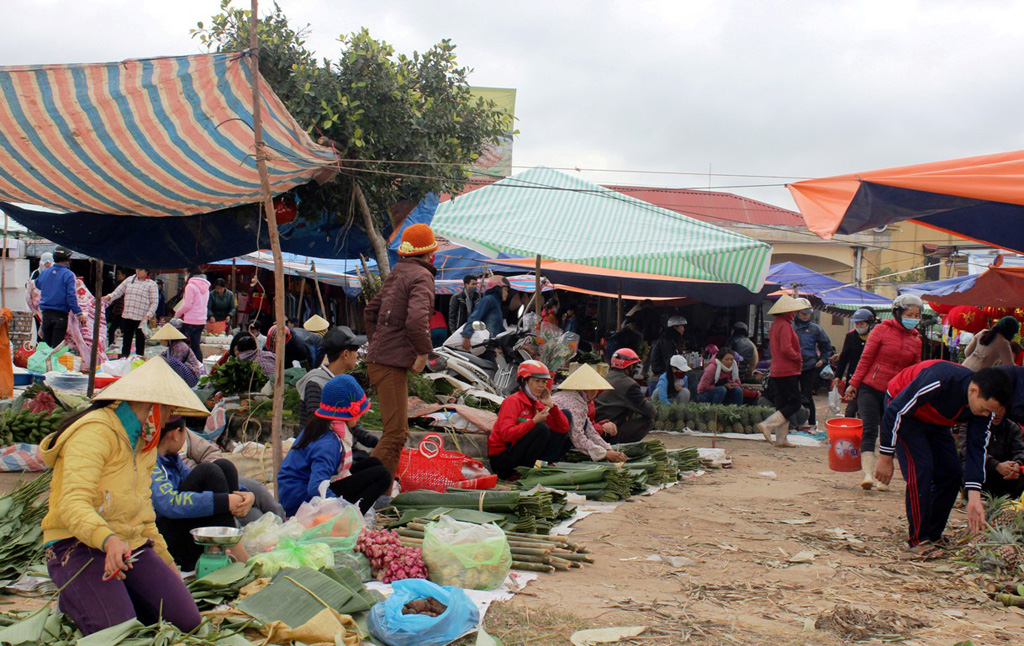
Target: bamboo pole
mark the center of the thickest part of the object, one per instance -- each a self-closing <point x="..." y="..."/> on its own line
<point x="275" y="239"/>
<point x="300" y="317"/>
<point x="538" y="299"/>
<point x="319" y="295"/>
<point x="94" y="354"/>
<point x="618" y="310"/>
<point x="3" y="276"/>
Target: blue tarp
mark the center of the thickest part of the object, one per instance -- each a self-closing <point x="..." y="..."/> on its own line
<point x="941" y="287"/>
<point x="830" y="290"/>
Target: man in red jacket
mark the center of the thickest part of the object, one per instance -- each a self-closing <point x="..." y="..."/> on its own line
<point x="787" y="363"/>
<point x="398" y="328"/>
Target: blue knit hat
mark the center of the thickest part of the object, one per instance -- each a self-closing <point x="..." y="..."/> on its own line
<point x="343" y="398"/>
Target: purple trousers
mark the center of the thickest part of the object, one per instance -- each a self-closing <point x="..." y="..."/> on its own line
<point x="151" y="589"/>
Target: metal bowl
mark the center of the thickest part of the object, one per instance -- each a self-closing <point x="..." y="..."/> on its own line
<point x="217" y="535"/>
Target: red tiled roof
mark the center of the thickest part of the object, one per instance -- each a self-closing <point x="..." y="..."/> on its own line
<point x="712" y="207"/>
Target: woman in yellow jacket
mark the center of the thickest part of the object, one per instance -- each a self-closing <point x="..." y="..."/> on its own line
<point x="101" y="537"/>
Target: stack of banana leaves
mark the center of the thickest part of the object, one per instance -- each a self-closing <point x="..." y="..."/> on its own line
<point x="687" y="459"/>
<point x="21" y="537"/>
<point x="649" y="456"/>
<point x="602" y="481"/>
<point x="221" y="586"/>
<point x="529" y="512"/>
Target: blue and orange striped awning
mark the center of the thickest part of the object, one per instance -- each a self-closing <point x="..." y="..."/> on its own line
<point x="150" y="137"/>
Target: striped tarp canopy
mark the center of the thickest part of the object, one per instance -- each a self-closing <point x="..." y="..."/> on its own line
<point x="526" y="283"/>
<point x="150" y="137"/>
<point x="542" y="212"/>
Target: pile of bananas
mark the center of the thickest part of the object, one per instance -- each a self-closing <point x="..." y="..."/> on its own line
<point x="28" y="427"/>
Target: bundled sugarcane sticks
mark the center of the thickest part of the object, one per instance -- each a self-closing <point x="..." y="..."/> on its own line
<point x="530" y="552"/>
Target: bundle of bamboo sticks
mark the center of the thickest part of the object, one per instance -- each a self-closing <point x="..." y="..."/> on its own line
<point x="530" y="552"/>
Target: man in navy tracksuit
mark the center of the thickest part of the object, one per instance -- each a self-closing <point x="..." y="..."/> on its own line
<point x="923" y="402"/>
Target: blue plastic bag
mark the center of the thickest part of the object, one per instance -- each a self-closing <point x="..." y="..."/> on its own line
<point x="389" y="625"/>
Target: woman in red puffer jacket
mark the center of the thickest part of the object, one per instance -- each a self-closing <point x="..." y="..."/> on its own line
<point x="892" y="346"/>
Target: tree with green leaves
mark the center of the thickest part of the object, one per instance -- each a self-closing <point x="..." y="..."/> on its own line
<point x="403" y="126"/>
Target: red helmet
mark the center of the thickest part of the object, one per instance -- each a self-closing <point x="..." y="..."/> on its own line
<point x="624" y="358"/>
<point x="533" y="370"/>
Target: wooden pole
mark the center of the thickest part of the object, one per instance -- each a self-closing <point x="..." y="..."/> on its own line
<point x="538" y="299"/>
<point x="234" y="291"/>
<point x="618" y="312"/>
<point x="275" y="239"/>
<point x="302" y="302"/>
<point x="319" y="296"/>
<point x="94" y="354"/>
<point x="3" y="276"/>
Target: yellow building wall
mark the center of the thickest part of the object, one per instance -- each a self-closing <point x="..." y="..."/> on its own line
<point x="905" y="250"/>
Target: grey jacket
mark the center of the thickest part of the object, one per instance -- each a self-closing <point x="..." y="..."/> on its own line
<point x="623" y="403"/>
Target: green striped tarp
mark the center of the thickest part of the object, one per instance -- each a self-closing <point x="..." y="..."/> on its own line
<point x="542" y="212"/>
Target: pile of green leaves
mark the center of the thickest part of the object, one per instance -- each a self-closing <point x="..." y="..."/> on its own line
<point x="235" y="376"/>
<point x="52" y="628"/>
<point x="21" y="536"/>
<point x="529" y="512"/>
<point x="221" y="586"/>
<point x="296" y="595"/>
<point x="596" y="480"/>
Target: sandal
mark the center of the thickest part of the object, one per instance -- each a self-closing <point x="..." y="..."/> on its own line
<point x="924" y="551"/>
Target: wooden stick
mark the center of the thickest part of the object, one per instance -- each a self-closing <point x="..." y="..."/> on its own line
<point x="319" y="296"/>
<point x="539" y="300"/>
<point x="3" y="276"/>
<point x="532" y="567"/>
<point x="94" y="354"/>
<point x="275" y="239"/>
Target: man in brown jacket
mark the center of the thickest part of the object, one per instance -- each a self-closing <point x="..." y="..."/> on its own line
<point x="398" y="327"/>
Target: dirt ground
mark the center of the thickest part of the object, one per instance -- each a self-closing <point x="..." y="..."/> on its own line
<point x="771" y="554"/>
<point x="744" y="528"/>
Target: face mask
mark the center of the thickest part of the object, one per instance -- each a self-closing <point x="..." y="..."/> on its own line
<point x="861" y="329"/>
<point x="910" y="324"/>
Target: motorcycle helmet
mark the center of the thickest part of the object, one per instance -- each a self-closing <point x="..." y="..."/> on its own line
<point x="532" y="369"/>
<point x="863" y="315"/>
<point x="673" y="321"/>
<point x="272" y="337"/>
<point x="624" y="358"/>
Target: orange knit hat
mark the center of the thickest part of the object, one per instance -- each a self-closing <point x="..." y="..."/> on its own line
<point x="417" y="240"/>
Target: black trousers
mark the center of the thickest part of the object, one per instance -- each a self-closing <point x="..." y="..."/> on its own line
<point x="870" y="405"/>
<point x="808" y="380"/>
<point x="219" y="476"/>
<point x="786" y="391"/>
<point x="632" y="430"/>
<point x="194" y="335"/>
<point x="368" y="481"/>
<point x="129" y="330"/>
<point x="55" y="327"/>
<point x="541" y="443"/>
<point x="113" y="325"/>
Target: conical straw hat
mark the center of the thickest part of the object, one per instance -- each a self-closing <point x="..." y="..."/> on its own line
<point x="316" y="323"/>
<point x="786" y="304"/>
<point x="168" y="333"/>
<point x="585" y="378"/>
<point x="154" y="382"/>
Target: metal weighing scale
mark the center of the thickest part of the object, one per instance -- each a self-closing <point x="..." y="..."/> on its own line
<point x="215" y="540"/>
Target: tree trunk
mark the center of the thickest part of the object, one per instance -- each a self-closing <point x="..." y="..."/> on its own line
<point x="380" y="245"/>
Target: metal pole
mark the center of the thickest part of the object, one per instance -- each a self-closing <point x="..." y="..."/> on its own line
<point x="275" y="239"/>
<point x="94" y="354"/>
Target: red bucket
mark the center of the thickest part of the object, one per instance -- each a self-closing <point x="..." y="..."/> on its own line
<point x="844" y="435"/>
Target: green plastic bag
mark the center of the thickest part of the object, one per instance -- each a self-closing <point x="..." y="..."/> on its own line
<point x="44" y="359"/>
<point x="466" y="555"/>
<point x="294" y="554"/>
<point x="355" y="561"/>
<point x="332" y="521"/>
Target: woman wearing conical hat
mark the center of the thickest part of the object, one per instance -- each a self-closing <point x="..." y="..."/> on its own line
<point x="786" y="366"/>
<point x="573" y="397"/>
<point x="102" y="545"/>
<point x="179" y="355"/>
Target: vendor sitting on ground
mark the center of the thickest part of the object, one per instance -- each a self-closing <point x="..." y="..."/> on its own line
<point x="342" y="347"/>
<point x="100" y="518"/>
<point x="247" y="350"/>
<point x="720" y="383"/>
<point x="323" y="452"/>
<point x="530" y="426"/>
<point x="673" y="386"/>
<point x="179" y="355"/>
<point x="573" y="398"/>
<point x="185" y="498"/>
<point x="625" y="405"/>
<point x="198" y="451"/>
<point x="1004" y="457"/>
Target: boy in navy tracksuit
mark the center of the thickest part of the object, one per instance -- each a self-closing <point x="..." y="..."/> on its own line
<point x="923" y="402"/>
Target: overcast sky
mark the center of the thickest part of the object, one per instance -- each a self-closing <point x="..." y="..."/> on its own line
<point x="762" y="87"/>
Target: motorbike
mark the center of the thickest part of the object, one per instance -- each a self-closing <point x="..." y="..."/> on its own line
<point x="471" y="374"/>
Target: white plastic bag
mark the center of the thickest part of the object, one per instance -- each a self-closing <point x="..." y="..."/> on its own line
<point x="835" y="400"/>
<point x="264" y="534"/>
